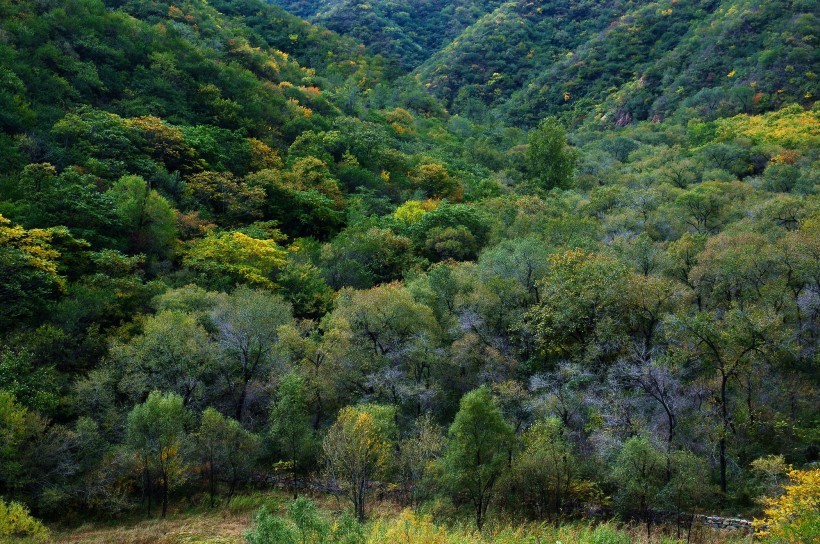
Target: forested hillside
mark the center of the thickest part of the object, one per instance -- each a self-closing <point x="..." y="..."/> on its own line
<point x="617" y="61"/>
<point x="509" y="266"/>
<point x="631" y="60"/>
<point x="408" y="32"/>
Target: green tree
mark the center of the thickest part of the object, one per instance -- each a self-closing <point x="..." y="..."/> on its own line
<point x="688" y="486"/>
<point x="247" y="331"/>
<point x="417" y="454"/>
<point x="639" y="473"/>
<point x="35" y="386"/>
<point x="550" y="161"/>
<point x="436" y="182"/>
<point x="546" y="468"/>
<point x="28" y="271"/>
<point x="477" y="451"/>
<point x="290" y="423"/>
<point x="173" y="353"/>
<point x="225" y="198"/>
<point x="227" y="450"/>
<point x="156" y="431"/>
<point x="583" y="308"/>
<point x="18" y="428"/>
<point x="149" y="218"/>
<point x="726" y="344"/>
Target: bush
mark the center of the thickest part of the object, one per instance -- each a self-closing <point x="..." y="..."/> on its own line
<point x="17" y="525"/>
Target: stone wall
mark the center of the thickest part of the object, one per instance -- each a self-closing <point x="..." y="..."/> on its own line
<point x="728" y="524"/>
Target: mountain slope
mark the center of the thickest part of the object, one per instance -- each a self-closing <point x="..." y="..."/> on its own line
<point x="155" y="58"/>
<point x="718" y="58"/>
<point x="619" y="60"/>
<point x="505" y="49"/>
<point x="408" y="32"/>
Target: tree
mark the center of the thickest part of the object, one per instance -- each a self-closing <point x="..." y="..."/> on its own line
<point x="34" y="387"/>
<point x="318" y="355"/>
<point x="702" y="206"/>
<point x="147" y="216"/>
<point x="793" y="517"/>
<point x="658" y="381"/>
<point x="583" y="306"/>
<point x="436" y="182"/>
<point x="247" y="332"/>
<point x="28" y="271"/>
<point x="172" y="353"/>
<point x="550" y="161"/>
<point x="18" y="430"/>
<point x="155" y="431"/>
<point x="688" y="485"/>
<point x="639" y="473"/>
<point x="362" y="258"/>
<point x="226" y="198"/>
<point x="523" y="259"/>
<point x="357" y="449"/>
<point x="393" y="340"/>
<point x="417" y="453"/>
<point x="17" y="525"/>
<point x="290" y="423"/>
<point x="546" y="468"/>
<point x="225" y="259"/>
<point x="725" y="344"/>
<point x="226" y="449"/>
<point x="477" y="450"/>
<point x="306" y="201"/>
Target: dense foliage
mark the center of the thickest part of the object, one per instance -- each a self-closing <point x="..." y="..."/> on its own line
<point x="616" y="61"/>
<point x="237" y="248"/>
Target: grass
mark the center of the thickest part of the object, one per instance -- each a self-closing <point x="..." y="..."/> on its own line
<point x="200" y="524"/>
<point x="227" y="523"/>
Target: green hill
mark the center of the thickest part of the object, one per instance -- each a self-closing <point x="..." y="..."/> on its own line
<point x="407" y="32"/>
<point x="620" y="60"/>
<point x="716" y="58"/>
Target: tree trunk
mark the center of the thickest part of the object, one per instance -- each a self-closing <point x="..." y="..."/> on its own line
<point x="164" y="494"/>
<point x="723" y="464"/>
<point x="293" y="473"/>
<point x="212" y="482"/>
<point x="725" y="413"/>
<point x="147" y="486"/>
<point x="240" y="404"/>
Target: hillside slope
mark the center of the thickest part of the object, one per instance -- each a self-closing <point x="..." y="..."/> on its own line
<point x="407" y="32"/>
<point x="621" y="60"/>
<point x="508" y="48"/>
<point x="718" y="58"/>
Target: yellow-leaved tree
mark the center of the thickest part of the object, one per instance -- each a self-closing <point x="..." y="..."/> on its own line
<point x="357" y="449"/>
<point x="28" y="270"/>
<point x="794" y="516"/>
<point x="233" y="257"/>
<point x="17" y="525"/>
